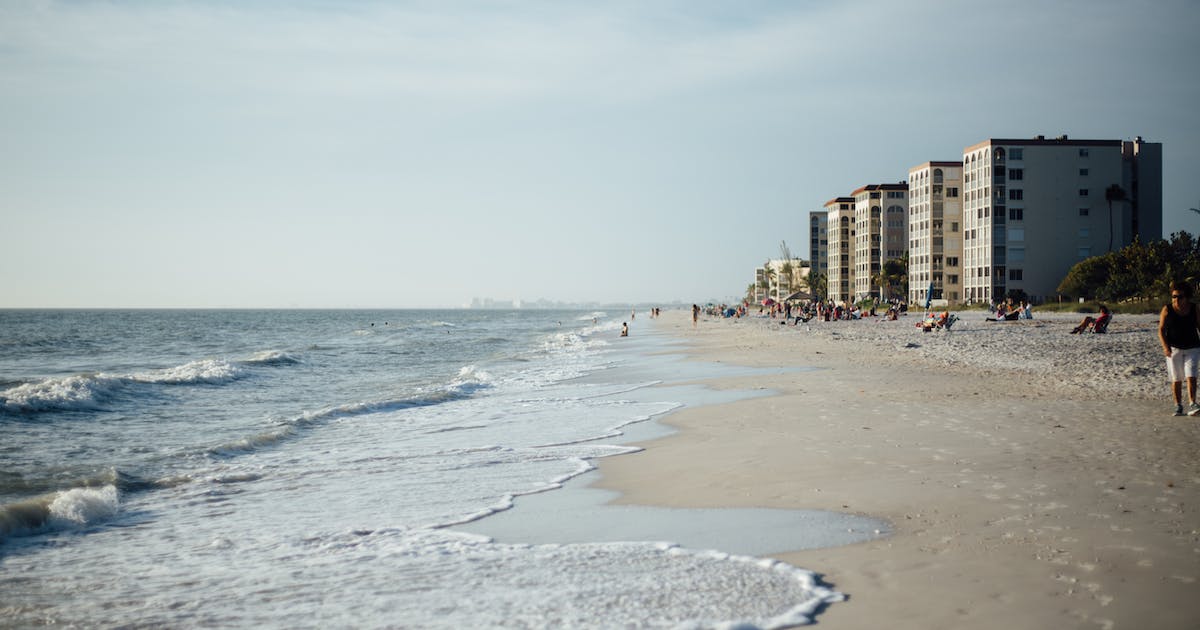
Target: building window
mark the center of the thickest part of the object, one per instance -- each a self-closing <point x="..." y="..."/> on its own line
<point x="952" y="279"/>
<point x="952" y="191"/>
<point x="952" y="261"/>
<point x="1085" y="233"/>
<point x="1016" y="154"/>
<point x="1015" y="274"/>
<point x="1083" y="153"/>
<point x="954" y="226"/>
<point x="1016" y="254"/>
<point x="1016" y="173"/>
<point x="1016" y="214"/>
<point x="1083" y="192"/>
<point x="1085" y="252"/>
<point x="1083" y="172"/>
<point x="1016" y="234"/>
<point x="1083" y="212"/>
<point x="1016" y="195"/>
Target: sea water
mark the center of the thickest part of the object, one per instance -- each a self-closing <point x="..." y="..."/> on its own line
<point x="308" y="468"/>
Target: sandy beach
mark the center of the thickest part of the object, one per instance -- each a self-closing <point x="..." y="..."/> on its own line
<point x="1034" y="479"/>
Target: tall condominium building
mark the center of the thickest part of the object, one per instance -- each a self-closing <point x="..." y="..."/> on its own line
<point x="1033" y="208"/>
<point x="935" y="231"/>
<point x="839" y="224"/>
<point x="818" y="242"/>
<point x="881" y="225"/>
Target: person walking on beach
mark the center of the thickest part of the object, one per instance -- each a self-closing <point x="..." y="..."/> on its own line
<point x="1179" y="332"/>
<point x="695" y="314"/>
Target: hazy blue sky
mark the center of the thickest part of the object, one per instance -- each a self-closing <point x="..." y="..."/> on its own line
<point x="360" y="154"/>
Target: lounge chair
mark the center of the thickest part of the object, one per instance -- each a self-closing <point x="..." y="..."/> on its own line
<point x="1098" y="325"/>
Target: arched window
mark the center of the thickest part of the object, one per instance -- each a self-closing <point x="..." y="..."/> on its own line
<point x="937" y="175"/>
<point x="999" y="154"/>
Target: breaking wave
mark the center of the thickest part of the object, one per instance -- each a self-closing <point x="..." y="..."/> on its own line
<point x="91" y="391"/>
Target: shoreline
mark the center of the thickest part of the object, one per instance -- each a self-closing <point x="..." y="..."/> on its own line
<point x="1032" y="478"/>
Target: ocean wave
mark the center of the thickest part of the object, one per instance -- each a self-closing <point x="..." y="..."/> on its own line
<point x="75" y="508"/>
<point x="468" y="381"/>
<point x="204" y="371"/>
<point x="272" y="357"/>
<point x="254" y="442"/>
<point x="73" y="393"/>
<point x="87" y="392"/>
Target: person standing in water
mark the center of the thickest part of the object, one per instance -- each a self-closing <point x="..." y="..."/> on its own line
<point x="1179" y="332"/>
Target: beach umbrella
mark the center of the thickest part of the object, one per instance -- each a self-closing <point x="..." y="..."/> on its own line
<point x="929" y="296"/>
<point x="799" y="295"/>
<point x="768" y="302"/>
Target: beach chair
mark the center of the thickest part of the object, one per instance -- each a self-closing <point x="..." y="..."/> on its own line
<point x="949" y="322"/>
<point x="1100" y="326"/>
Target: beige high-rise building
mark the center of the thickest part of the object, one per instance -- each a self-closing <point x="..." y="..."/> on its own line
<point x="1034" y="208"/>
<point x="839" y="226"/>
<point x="935" y="232"/>
<point x="881" y="226"/>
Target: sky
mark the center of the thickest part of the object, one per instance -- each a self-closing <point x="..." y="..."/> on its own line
<point x="322" y="154"/>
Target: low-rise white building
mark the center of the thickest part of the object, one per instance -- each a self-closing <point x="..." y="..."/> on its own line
<point x="779" y="278"/>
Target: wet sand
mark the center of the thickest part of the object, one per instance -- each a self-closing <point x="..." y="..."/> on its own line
<point x="1034" y="479"/>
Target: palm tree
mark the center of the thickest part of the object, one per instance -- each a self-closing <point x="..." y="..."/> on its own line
<point x="768" y="277"/>
<point x="818" y="285"/>
<point x="1111" y="194"/>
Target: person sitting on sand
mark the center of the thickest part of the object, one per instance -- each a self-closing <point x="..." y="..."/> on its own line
<point x="1098" y="324"/>
<point x="1004" y="314"/>
<point x="624" y="329"/>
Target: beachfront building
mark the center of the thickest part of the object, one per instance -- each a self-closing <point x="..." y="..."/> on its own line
<point x="840" y="231"/>
<point x="935" y="232"/>
<point x="1034" y="208"/>
<point x="818" y="241"/>
<point x="881" y="233"/>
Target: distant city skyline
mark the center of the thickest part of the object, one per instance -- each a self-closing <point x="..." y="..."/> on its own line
<point x="383" y="154"/>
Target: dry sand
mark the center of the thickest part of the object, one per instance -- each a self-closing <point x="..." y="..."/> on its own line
<point x="1035" y="479"/>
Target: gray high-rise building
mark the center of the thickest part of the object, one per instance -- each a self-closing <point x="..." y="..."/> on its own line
<point x="1034" y="208"/>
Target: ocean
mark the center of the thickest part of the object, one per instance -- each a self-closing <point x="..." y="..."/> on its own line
<point x="296" y="469"/>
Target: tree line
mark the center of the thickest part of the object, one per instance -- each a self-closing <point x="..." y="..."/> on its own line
<point x="1136" y="272"/>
